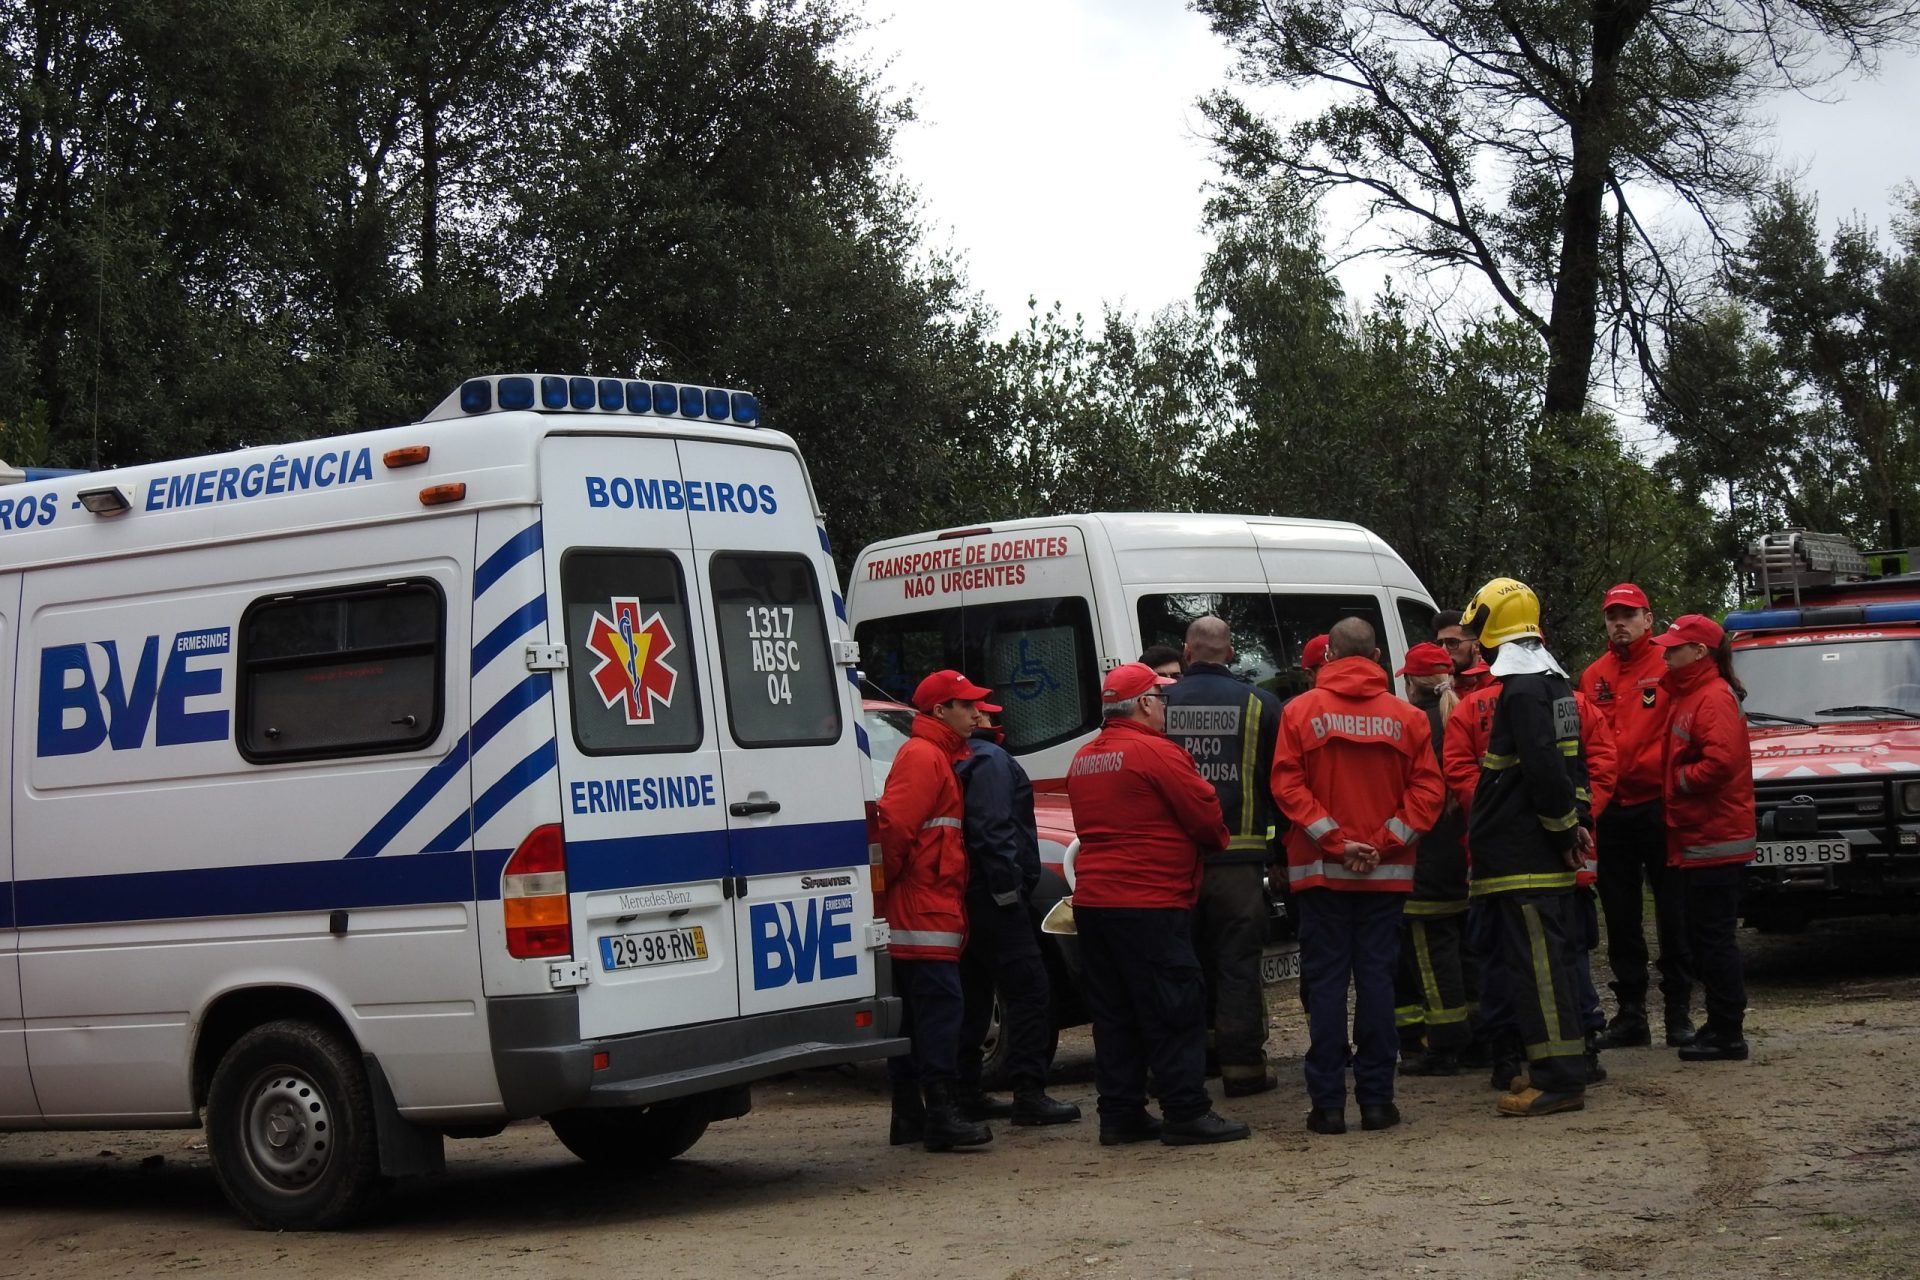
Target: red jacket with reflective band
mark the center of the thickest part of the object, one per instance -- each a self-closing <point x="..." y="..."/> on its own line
<point x="1708" y="771"/>
<point x="1629" y="693"/>
<point x="921" y="849"/>
<point x="1355" y="763"/>
<point x="1603" y="764"/>
<point x="1145" y="818"/>
<point x="1465" y="741"/>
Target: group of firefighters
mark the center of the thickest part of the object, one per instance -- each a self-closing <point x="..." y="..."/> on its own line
<point x="1442" y="855"/>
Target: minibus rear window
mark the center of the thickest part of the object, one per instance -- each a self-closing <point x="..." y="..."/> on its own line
<point x="1269" y="629"/>
<point x="1036" y="655"/>
<point x="341" y="673"/>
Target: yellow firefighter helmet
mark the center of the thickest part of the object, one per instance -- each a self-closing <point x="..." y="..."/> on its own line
<point x="1502" y="610"/>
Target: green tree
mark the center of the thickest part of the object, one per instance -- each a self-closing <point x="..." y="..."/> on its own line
<point x="1798" y="394"/>
<point x="1533" y="141"/>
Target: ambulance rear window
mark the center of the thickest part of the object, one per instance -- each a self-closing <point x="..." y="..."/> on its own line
<point x="341" y="673"/>
<point x="780" y="677"/>
<point x="631" y="673"/>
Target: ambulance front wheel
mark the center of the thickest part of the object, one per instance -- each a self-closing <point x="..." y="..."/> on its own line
<point x="290" y="1128"/>
<point x="632" y="1137"/>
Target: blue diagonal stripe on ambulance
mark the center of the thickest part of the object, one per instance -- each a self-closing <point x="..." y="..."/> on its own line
<point x="501" y="638"/>
<point x="435" y="780"/>
<point x="510" y="553"/>
<point x="422" y="792"/>
<point x="496" y="797"/>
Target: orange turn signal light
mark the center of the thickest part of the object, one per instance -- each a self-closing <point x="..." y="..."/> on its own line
<point x="436" y="495"/>
<point x="411" y="456"/>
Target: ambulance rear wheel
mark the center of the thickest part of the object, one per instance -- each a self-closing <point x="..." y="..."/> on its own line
<point x="632" y="1137"/>
<point x="290" y="1128"/>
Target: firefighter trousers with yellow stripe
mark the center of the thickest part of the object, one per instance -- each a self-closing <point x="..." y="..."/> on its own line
<point x="1433" y="965"/>
<point x="1539" y="937"/>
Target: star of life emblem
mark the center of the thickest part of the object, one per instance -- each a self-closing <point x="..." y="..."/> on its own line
<point x="632" y="674"/>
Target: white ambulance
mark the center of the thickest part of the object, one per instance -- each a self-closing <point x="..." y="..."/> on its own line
<point x="375" y="789"/>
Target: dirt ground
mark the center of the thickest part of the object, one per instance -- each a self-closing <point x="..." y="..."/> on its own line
<point x="1804" y="1161"/>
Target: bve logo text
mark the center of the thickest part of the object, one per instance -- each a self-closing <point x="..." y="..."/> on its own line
<point x="802" y="941"/>
<point x="84" y="704"/>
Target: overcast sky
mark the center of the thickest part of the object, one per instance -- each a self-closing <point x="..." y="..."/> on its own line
<point x="1058" y="148"/>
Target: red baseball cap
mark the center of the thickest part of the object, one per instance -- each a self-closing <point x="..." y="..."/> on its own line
<point x="1426" y="660"/>
<point x="1130" y="680"/>
<point x="1691" y="628"/>
<point x="1314" y="653"/>
<point x="946" y="686"/>
<point x="1625" y="593"/>
<point x="987" y="707"/>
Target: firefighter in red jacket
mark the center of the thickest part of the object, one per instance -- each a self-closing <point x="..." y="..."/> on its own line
<point x="1354" y="772"/>
<point x="1625" y="684"/>
<point x="1146" y="821"/>
<point x="1707" y="784"/>
<point x="925" y="865"/>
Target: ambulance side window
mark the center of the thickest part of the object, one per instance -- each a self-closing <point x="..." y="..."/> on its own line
<point x="630" y="665"/>
<point x="773" y="650"/>
<point x="341" y="673"/>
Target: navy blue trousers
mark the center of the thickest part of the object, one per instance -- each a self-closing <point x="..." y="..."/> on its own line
<point x="1003" y="953"/>
<point x="1712" y="897"/>
<point x="931" y="1009"/>
<point x="1586" y="937"/>
<point x="1149" y="1005"/>
<point x="1349" y="939"/>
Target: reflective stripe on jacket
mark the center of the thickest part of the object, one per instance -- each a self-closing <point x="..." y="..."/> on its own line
<point x="1354" y="763"/>
<point x="1533" y="789"/>
<point x="1627" y="690"/>
<point x="921" y="850"/>
<point x="1228" y="726"/>
<point x="1145" y="818"/>
<point x="1708" y="771"/>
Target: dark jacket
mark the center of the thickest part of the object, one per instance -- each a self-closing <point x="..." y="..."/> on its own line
<point x="1440" y="864"/>
<point x="1532" y="789"/>
<point x="1228" y="726"/>
<point x="1003" y="844"/>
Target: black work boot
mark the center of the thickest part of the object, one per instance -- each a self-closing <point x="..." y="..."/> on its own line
<point x="1595" y="1072"/>
<point x="1715" y="1045"/>
<point x="1118" y="1131"/>
<point x="1628" y="1030"/>
<point x="1245" y="1086"/>
<point x="1033" y="1107"/>
<point x="1679" y="1024"/>
<point x="1211" y="1127"/>
<point x="909" y="1114"/>
<point x="973" y="1104"/>
<point x="1433" y="1062"/>
<point x="944" y="1128"/>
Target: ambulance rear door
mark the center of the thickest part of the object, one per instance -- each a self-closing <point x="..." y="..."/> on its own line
<point x="786" y="718"/>
<point x="637" y="738"/>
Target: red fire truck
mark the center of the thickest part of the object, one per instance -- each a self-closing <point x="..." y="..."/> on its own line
<point x="1831" y="662"/>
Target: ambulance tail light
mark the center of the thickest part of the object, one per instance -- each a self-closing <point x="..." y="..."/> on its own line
<point x="876" y="870"/>
<point x="533" y="894"/>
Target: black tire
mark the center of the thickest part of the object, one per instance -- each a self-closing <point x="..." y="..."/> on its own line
<point x="993" y="1047"/>
<point x="632" y="1138"/>
<point x="290" y="1128"/>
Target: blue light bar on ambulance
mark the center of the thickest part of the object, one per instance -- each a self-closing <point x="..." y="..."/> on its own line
<point x="1832" y="615"/>
<point x="556" y="393"/>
